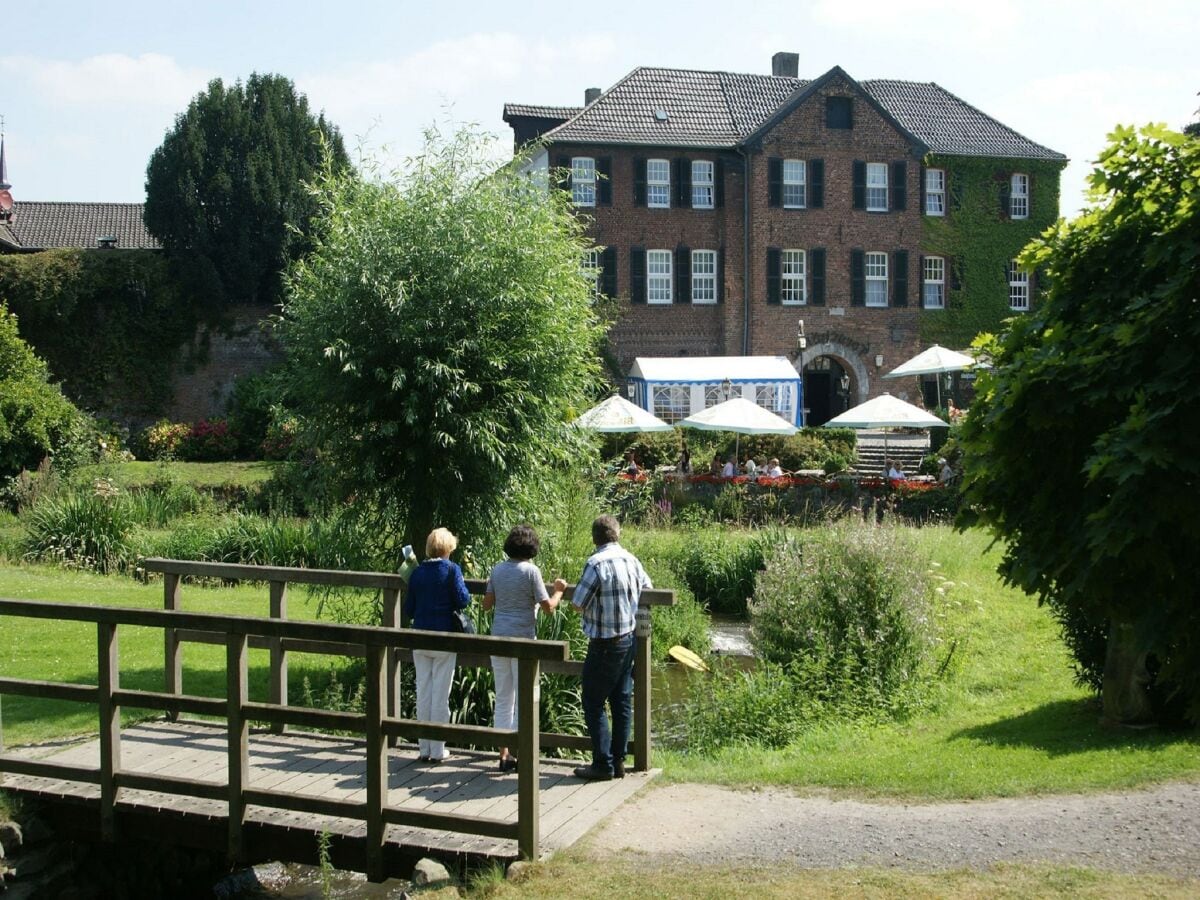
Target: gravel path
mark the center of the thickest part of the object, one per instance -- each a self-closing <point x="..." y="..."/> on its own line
<point x="1154" y="830"/>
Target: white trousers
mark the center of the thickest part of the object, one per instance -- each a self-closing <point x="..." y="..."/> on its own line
<point x="435" y="671"/>
<point x="505" y="670"/>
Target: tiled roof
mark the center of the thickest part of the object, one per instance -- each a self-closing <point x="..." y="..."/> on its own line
<point x="47" y="226"/>
<point x="512" y="110"/>
<point x="721" y="109"/>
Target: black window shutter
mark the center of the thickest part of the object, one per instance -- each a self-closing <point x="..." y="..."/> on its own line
<point x="683" y="274"/>
<point x="816" y="183"/>
<point x="639" y="183"/>
<point x="773" y="274"/>
<point x="899" y="185"/>
<point x="860" y="184"/>
<point x="637" y="274"/>
<point x="604" y="181"/>
<point x="721" y="275"/>
<point x="955" y="275"/>
<point x="719" y="183"/>
<point x="564" y="163"/>
<point x="921" y="175"/>
<point x="858" y="280"/>
<point x="1005" y="190"/>
<point x="954" y="189"/>
<point x="774" y="181"/>
<point x="608" y="272"/>
<point x="900" y="278"/>
<point x="683" y="183"/>
<point x="816" y="268"/>
<point x="921" y="279"/>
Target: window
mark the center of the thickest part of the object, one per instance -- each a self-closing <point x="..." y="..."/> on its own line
<point x="793" y="184"/>
<point x="672" y="403"/>
<point x="1018" y="198"/>
<point x="591" y="269"/>
<point x="658" y="276"/>
<point x="583" y="180"/>
<point x="933" y="291"/>
<point x="935" y="192"/>
<point x="1018" y="288"/>
<point x="704" y="276"/>
<point x="791" y="277"/>
<point x="876" y="270"/>
<point x="877" y="187"/>
<point x="764" y="396"/>
<point x="658" y="183"/>
<point x="714" y="394"/>
<point x="839" y="112"/>
<point x="775" y="398"/>
<point x="702" y="184"/>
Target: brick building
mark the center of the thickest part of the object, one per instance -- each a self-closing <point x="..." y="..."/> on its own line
<point x="731" y="206"/>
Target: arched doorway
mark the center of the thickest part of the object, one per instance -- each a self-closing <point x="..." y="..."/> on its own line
<point x="828" y="389"/>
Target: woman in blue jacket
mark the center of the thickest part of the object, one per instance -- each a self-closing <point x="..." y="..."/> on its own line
<point x="435" y="591"/>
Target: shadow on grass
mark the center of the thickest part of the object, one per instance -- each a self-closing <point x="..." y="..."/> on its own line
<point x="1071" y="726"/>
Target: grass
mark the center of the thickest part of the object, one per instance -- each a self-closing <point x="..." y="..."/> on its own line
<point x="66" y="651"/>
<point x="1009" y="722"/>
<point x="199" y="474"/>
<point x="573" y="875"/>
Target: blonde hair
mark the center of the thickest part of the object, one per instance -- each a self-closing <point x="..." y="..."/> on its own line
<point x="441" y="542"/>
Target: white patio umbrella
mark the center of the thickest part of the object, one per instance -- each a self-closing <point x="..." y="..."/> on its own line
<point x="618" y="414"/>
<point x="884" y="412"/>
<point x="934" y="361"/>
<point x="740" y="416"/>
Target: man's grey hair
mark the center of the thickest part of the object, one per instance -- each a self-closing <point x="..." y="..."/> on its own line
<point x="605" y="530"/>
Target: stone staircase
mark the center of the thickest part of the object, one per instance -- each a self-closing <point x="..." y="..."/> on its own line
<point x="906" y="449"/>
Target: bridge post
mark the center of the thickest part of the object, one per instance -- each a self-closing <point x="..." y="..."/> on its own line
<point x="641" y="691"/>
<point x="237" y="695"/>
<point x="173" y="664"/>
<point x="528" y="752"/>
<point x="391" y="619"/>
<point x="108" y="681"/>
<point x="377" y="762"/>
<point x="279" y="663"/>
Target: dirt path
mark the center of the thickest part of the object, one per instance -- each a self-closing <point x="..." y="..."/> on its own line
<point x="1153" y="830"/>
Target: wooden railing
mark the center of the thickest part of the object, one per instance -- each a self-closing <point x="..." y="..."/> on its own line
<point x="384" y="648"/>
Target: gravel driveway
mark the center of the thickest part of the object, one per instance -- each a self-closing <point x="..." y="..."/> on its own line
<point x="1153" y="830"/>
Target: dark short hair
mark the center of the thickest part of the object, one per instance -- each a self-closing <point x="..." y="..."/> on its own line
<point x="605" y="530"/>
<point x="522" y="543"/>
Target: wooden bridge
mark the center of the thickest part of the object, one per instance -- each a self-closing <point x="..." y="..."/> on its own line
<point x="271" y="793"/>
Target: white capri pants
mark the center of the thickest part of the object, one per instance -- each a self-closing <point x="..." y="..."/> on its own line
<point x="435" y="671"/>
<point x="505" y="669"/>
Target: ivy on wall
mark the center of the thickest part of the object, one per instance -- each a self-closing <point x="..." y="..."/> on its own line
<point x="978" y="240"/>
<point x="113" y="325"/>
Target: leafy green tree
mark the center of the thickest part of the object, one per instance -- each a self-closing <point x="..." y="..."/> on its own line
<point x="1083" y="446"/>
<point x="438" y="338"/>
<point x="35" y="418"/>
<point x="225" y="191"/>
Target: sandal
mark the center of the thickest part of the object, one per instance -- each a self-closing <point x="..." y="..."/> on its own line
<point x="508" y="764"/>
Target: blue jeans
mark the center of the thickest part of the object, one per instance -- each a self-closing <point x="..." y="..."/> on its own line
<point x="608" y="676"/>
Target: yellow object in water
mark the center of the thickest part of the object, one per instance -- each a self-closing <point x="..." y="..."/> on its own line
<point x="686" y="657"/>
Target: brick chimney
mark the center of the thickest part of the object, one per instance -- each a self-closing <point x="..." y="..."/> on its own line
<point x="786" y="65"/>
<point x="591" y="95"/>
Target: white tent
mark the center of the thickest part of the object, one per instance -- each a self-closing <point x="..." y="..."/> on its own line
<point x="676" y="386"/>
<point x="934" y="361"/>
<point x="884" y="412"/>
<point x="618" y="414"/>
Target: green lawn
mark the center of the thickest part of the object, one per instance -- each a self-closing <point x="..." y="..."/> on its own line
<point x="66" y="651"/>
<point x="1010" y="722"/>
<point x="214" y="474"/>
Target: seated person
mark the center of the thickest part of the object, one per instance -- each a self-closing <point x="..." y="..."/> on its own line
<point x="729" y="469"/>
<point x="684" y="466"/>
<point x="631" y="466"/>
<point x="751" y="467"/>
<point x="947" y="473"/>
<point x="714" y="467"/>
<point x="772" y="470"/>
<point x="895" y="472"/>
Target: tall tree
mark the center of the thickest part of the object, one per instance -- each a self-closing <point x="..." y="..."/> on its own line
<point x="225" y="191"/>
<point x="1083" y="448"/>
<point x="439" y="337"/>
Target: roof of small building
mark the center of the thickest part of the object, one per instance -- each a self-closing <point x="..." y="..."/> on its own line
<point x="533" y="110"/>
<point x="693" y="108"/>
<point x="37" y="225"/>
<point x="713" y="369"/>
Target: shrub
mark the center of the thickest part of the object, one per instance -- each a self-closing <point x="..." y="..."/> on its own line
<point x="90" y="530"/>
<point x="720" y="570"/>
<point x="761" y="707"/>
<point x="251" y="413"/>
<point x="209" y="440"/>
<point x="851" y="608"/>
<point x="162" y="439"/>
<point x="652" y="449"/>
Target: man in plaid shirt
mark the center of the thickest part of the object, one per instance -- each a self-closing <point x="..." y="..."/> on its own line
<point x="607" y="599"/>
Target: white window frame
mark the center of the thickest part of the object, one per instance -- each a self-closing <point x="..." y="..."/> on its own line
<point x="933" y="283"/>
<point x="715" y="393"/>
<point x="660" y="281"/>
<point x="877" y="186"/>
<point x="1018" y="196"/>
<point x="875" y="274"/>
<point x="672" y="402"/>
<point x="658" y="183"/>
<point x="793" y="277"/>
<point x="935" y="192"/>
<point x="774" y="398"/>
<point x="703" y="181"/>
<point x="795" y="184"/>
<point x="704" y="277"/>
<point x="591" y="269"/>
<point x="1018" y="288"/>
<point x="583" y="180"/>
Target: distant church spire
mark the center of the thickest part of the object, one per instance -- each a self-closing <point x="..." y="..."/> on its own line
<point x="4" y="185"/>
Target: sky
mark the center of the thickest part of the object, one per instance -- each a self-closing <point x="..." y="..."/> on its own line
<point x="89" y="89"/>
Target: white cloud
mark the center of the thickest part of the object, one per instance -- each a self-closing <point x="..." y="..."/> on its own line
<point x="110" y="79"/>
